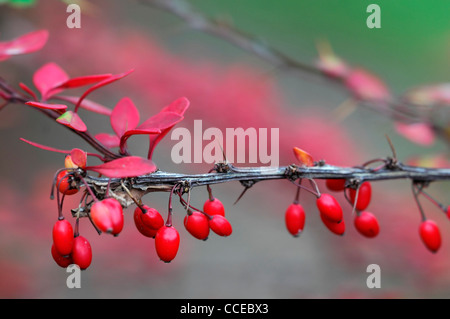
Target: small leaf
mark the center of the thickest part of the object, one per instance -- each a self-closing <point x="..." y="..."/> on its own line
<point x="26" y="43"/>
<point x="47" y="148"/>
<point x="47" y="106"/>
<point x="130" y="133"/>
<point x="108" y="140"/>
<point x="72" y="120"/>
<point x="24" y="87"/>
<point x="123" y="167"/>
<point x="82" y="81"/>
<point x="303" y="157"/>
<point x="124" y="117"/>
<point x="366" y="86"/>
<point x="104" y="82"/>
<point x="178" y="106"/>
<point x="78" y="157"/>
<point x="47" y="78"/>
<point x="86" y="104"/>
<point x="419" y="133"/>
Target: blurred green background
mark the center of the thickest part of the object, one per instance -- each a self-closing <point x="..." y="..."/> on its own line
<point x="259" y="261"/>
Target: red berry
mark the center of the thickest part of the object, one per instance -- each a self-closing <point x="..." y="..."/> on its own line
<point x="107" y="215"/>
<point x="367" y="224"/>
<point x="82" y="252"/>
<point x="330" y="208"/>
<point x="430" y="234"/>
<point x="62" y="261"/>
<point x="335" y="185"/>
<point x="220" y="225"/>
<point x="152" y="218"/>
<point x="63" y="237"/>
<point x="167" y="242"/>
<point x="336" y="228"/>
<point x="214" y="207"/>
<point x="65" y="184"/>
<point x="141" y="227"/>
<point x="295" y="219"/>
<point x="364" y="196"/>
<point x="197" y="225"/>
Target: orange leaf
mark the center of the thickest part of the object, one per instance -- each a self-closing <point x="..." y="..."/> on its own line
<point x="303" y="157"/>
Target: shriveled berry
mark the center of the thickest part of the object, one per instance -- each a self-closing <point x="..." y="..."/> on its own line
<point x="430" y="235"/>
<point x="65" y="184"/>
<point x="62" y="261"/>
<point x="197" y="225"/>
<point x="335" y="185"/>
<point x="214" y="207"/>
<point x="141" y="227"/>
<point x="295" y="219"/>
<point x="336" y="228"/>
<point x="367" y="224"/>
<point x="330" y="208"/>
<point x="82" y="252"/>
<point x="63" y="237"/>
<point x="167" y="242"/>
<point x="151" y="218"/>
<point x="364" y="196"/>
<point x="220" y="225"/>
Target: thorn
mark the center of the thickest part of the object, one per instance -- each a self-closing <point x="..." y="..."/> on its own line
<point x="242" y="194"/>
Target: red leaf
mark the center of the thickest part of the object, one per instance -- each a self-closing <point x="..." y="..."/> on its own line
<point x="108" y="140"/>
<point x="366" y="86"/>
<point x="72" y="120"/>
<point x="124" y="117"/>
<point x="303" y="157"/>
<point x="86" y="104"/>
<point x="47" y="148"/>
<point x="28" y="90"/>
<point x="47" y="78"/>
<point x="47" y="106"/>
<point x="128" y="134"/>
<point x="26" y="43"/>
<point x="129" y="166"/>
<point x="419" y="133"/>
<point x="164" y="121"/>
<point x="78" y="157"/>
<point x="106" y="81"/>
<point x="82" y="81"/>
<point x="178" y="106"/>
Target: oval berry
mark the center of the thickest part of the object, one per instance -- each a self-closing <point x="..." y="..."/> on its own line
<point x="63" y="237"/>
<point x="336" y="228"/>
<point x="65" y="184"/>
<point x="197" y="225"/>
<point x="82" y="252"/>
<point x="101" y="216"/>
<point x="430" y="235"/>
<point x="330" y="208"/>
<point x="214" y="207"/>
<point x="115" y="214"/>
<point x="295" y="219"/>
<point x="367" y="224"/>
<point x="141" y="227"/>
<point x="220" y="225"/>
<point x="62" y="261"/>
<point x="335" y="185"/>
<point x="364" y="196"/>
<point x="167" y="242"/>
<point x="151" y="218"/>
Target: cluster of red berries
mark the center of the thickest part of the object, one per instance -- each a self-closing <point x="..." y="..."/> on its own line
<point x="365" y="222"/>
<point x="150" y="223"/>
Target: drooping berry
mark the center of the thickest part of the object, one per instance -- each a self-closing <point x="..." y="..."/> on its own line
<point x="167" y="242"/>
<point x="367" y="224"/>
<point x="107" y="215"/>
<point x="336" y="228"/>
<point x="430" y="235"/>
<point x="330" y="208"/>
<point x="141" y="227"/>
<point x="220" y="225"/>
<point x="151" y="218"/>
<point x="63" y="237"/>
<point x="82" y="252"/>
<point x="295" y="219"/>
<point x="364" y="196"/>
<point x="335" y="185"/>
<point x="62" y="261"/>
<point x="197" y="225"/>
<point x="214" y="207"/>
<point x="65" y="184"/>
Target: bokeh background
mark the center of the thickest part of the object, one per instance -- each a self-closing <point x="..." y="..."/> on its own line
<point x="227" y="87"/>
